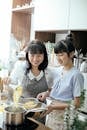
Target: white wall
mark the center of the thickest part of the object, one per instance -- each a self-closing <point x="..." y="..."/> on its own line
<point x="5" y="27"/>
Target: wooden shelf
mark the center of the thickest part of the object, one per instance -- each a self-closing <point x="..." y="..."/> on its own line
<point x="24" y="9"/>
<point x="21" y="19"/>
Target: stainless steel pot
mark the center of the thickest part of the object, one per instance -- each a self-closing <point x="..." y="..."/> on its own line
<point x="14" y="115"/>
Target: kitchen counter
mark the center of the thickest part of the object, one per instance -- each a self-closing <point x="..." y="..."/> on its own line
<point x="40" y="125"/>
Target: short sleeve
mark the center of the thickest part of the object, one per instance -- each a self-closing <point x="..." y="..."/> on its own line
<point x="78" y="83"/>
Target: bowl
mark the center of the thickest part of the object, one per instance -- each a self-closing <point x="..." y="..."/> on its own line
<point x="37" y="112"/>
<point x="34" y="108"/>
<point x="29" y="103"/>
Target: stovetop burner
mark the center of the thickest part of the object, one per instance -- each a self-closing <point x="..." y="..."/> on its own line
<point x="27" y="125"/>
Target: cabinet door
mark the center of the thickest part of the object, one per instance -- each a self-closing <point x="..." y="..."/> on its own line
<point x="21" y="19"/>
<point x="51" y="15"/>
<point x="78" y="16"/>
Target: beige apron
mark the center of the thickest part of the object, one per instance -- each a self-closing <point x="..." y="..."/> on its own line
<point x="55" y="119"/>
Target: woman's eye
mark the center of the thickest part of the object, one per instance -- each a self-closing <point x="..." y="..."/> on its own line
<point x="59" y="54"/>
<point x="31" y="55"/>
<point x="39" y="56"/>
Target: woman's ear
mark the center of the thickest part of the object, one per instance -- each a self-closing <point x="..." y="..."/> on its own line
<point x="72" y="54"/>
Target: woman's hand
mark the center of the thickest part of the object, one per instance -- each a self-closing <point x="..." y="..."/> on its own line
<point x="56" y="105"/>
<point x="50" y="108"/>
<point x="6" y="80"/>
<point x="42" y="96"/>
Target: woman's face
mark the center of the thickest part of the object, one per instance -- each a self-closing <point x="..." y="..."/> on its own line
<point x="35" y="59"/>
<point x="63" y="58"/>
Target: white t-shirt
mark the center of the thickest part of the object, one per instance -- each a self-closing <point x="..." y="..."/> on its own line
<point x="68" y="86"/>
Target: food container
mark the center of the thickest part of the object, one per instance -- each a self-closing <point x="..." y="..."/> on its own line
<point x="29" y="103"/>
<point x="14" y="115"/>
<point x="38" y="112"/>
<point x="34" y="108"/>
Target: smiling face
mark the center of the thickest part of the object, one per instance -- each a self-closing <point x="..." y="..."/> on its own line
<point x="64" y="59"/>
<point x="64" y="51"/>
<point x="35" y="59"/>
<point x="36" y="55"/>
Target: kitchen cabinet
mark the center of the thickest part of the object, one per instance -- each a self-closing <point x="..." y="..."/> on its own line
<point x="60" y="15"/>
<point x="51" y="15"/>
<point x="78" y="16"/>
<point x="22" y="11"/>
<point x="45" y="36"/>
<point x="46" y="18"/>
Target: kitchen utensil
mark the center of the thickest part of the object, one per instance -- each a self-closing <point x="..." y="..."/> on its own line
<point x="14" y="115"/>
<point x="37" y="112"/>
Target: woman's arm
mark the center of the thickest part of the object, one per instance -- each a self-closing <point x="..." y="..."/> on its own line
<point x="77" y="102"/>
<point x="6" y="80"/>
<point x="58" y="105"/>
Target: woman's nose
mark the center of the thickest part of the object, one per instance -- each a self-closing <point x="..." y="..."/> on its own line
<point x="35" y="58"/>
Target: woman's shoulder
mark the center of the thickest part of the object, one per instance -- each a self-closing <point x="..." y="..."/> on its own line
<point x="76" y="71"/>
<point x="77" y="74"/>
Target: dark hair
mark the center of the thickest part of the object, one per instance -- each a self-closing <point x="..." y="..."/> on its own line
<point x="37" y="47"/>
<point x="65" y="45"/>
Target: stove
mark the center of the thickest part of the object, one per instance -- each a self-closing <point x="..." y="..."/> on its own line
<point x="27" y="125"/>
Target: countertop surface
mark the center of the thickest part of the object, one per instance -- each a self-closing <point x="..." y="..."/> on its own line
<point x="40" y="125"/>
